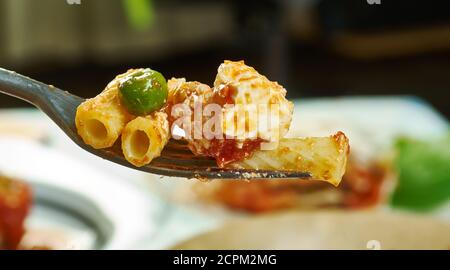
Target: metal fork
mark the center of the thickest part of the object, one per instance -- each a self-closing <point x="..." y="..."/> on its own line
<point x="176" y="159"/>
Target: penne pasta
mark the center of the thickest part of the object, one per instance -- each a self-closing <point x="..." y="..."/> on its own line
<point x="144" y="138"/>
<point x="324" y="157"/>
<point x="100" y="120"/>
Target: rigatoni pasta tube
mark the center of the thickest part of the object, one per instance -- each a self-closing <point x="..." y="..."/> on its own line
<point x="100" y="120"/>
<point x="324" y="157"/>
<point x="144" y="138"/>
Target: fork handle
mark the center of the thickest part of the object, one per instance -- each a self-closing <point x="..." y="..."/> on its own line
<point x="37" y="93"/>
<point x="19" y="86"/>
<point x="59" y="105"/>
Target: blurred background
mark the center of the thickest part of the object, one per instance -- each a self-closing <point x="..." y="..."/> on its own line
<point x="312" y="47"/>
<point x="378" y="72"/>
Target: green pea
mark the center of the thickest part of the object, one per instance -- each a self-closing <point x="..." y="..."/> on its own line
<point x="143" y="91"/>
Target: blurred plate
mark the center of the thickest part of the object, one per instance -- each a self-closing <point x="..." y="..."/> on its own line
<point x="77" y="205"/>
<point x="64" y="219"/>
<point x="327" y="230"/>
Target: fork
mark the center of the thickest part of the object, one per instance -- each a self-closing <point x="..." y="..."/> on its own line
<point x="176" y="159"/>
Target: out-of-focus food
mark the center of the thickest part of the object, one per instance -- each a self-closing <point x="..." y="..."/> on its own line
<point x="361" y="186"/>
<point x="15" y="203"/>
<point x="424" y="173"/>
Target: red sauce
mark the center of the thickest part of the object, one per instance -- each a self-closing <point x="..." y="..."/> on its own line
<point x="363" y="186"/>
<point x="227" y="151"/>
<point x="224" y="151"/>
<point x="225" y="95"/>
<point x="15" y="202"/>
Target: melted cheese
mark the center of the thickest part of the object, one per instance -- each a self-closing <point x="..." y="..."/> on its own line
<point x="253" y="91"/>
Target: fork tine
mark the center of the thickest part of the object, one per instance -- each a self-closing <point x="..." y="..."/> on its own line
<point x="182" y="162"/>
<point x="177" y="157"/>
<point x="189" y="166"/>
<point x="215" y="173"/>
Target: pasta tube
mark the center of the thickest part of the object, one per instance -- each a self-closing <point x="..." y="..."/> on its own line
<point x="100" y="120"/>
<point x="144" y="138"/>
<point x="324" y="157"/>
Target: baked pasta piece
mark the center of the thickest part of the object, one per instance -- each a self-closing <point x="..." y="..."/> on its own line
<point x="242" y="86"/>
<point x="183" y="97"/>
<point x="247" y="100"/>
<point x="324" y="157"/>
<point x="186" y="95"/>
<point x="143" y="138"/>
<point x="100" y="120"/>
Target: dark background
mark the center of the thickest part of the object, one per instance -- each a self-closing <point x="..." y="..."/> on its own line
<point x="314" y="48"/>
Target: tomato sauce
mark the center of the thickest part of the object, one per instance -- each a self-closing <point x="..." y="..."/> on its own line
<point x="363" y="186"/>
<point x="15" y="202"/>
<point x="225" y="95"/>
<point x="227" y="151"/>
